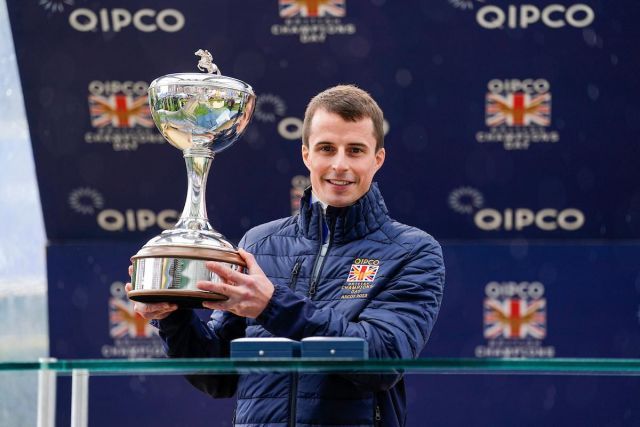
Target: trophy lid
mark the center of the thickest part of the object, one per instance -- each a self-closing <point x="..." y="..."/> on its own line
<point x="202" y="79"/>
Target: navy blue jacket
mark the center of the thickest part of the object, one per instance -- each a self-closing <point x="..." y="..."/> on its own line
<point x="393" y="307"/>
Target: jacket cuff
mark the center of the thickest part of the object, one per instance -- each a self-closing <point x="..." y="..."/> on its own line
<point x="174" y="321"/>
<point x="230" y="327"/>
<point x="270" y="310"/>
<point x="270" y="313"/>
<point x="286" y="315"/>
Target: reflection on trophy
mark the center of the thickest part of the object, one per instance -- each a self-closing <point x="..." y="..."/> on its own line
<point x="201" y="114"/>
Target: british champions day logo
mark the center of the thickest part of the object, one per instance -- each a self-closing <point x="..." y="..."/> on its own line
<point x="132" y="335"/>
<point x="514" y="320"/>
<point x="362" y="275"/>
<point x="518" y="114"/>
<point x="312" y="20"/>
<point x="120" y="115"/>
<point x="469" y="201"/>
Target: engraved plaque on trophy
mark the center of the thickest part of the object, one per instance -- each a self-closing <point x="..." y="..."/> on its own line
<point x="201" y="114"/>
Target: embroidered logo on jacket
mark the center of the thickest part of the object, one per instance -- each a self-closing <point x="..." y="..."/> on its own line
<point x="362" y="273"/>
<point x="361" y="276"/>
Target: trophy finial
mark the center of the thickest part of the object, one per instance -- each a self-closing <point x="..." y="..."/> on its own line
<point x="206" y="62"/>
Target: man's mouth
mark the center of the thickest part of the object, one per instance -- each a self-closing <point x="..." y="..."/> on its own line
<point x="339" y="182"/>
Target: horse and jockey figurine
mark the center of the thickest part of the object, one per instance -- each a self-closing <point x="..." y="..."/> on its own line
<point x="206" y="62"/>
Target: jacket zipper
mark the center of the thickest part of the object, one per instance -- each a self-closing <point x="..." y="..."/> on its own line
<point x="293" y="399"/>
<point x="377" y="415"/>
<point x="294" y="275"/>
<point x="319" y="263"/>
<point x="320" y="260"/>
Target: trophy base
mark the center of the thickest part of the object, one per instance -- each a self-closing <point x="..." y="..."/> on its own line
<point x="170" y="274"/>
<point x="183" y="299"/>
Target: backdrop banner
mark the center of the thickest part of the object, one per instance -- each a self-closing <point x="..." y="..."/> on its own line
<point x="501" y="300"/>
<point x="505" y="119"/>
<point x="512" y="137"/>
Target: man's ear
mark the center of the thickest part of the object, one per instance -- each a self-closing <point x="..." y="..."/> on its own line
<point x="305" y="155"/>
<point x="380" y="156"/>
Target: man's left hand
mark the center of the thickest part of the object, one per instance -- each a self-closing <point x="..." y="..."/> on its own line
<point x="248" y="294"/>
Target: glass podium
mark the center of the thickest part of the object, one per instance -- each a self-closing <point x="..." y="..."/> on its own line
<point x="80" y="371"/>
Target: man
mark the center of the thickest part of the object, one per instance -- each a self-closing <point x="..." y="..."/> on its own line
<point x="341" y="267"/>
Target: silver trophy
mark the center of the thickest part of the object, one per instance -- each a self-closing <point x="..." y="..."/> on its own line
<point x="201" y="114"/>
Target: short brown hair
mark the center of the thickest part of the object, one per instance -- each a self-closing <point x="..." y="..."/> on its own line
<point x="349" y="102"/>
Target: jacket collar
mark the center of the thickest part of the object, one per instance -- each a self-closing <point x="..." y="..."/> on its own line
<point x="350" y="223"/>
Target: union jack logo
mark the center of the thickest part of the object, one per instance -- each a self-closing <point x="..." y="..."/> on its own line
<point x="514" y="318"/>
<point x="518" y="109"/>
<point x="312" y="8"/>
<point x="121" y="111"/>
<point x="362" y="273"/>
<point x="124" y="321"/>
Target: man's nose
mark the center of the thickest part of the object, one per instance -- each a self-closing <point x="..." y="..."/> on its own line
<point x="340" y="161"/>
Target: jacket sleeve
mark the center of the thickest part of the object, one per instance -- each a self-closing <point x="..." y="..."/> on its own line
<point x="186" y="335"/>
<point x="396" y="322"/>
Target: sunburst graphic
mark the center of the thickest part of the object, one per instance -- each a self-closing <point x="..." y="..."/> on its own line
<point x="465" y="200"/>
<point x="464" y="4"/>
<point x="85" y="200"/>
<point x="268" y="107"/>
<point x="55" y="6"/>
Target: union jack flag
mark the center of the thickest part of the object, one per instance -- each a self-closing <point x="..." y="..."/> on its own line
<point x="312" y="8"/>
<point x="124" y="321"/>
<point x="362" y="273"/>
<point x="514" y="318"/>
<point x="518" y="109"/>
<point x="121" y="111"/>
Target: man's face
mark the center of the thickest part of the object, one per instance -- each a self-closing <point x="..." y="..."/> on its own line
<point x="341" y="158"/>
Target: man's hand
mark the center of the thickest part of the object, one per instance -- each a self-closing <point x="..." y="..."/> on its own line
<point x="248" y="294"/>
<point x="151" y="311"/>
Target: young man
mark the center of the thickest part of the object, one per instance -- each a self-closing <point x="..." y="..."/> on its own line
<point x="306" y="278"/>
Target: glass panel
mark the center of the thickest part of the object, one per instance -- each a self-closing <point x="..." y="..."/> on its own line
<point x="626" y="367"/>
<point x="18" y="403"/>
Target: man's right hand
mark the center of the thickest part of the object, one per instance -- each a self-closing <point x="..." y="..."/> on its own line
<point x="153" y="311"/>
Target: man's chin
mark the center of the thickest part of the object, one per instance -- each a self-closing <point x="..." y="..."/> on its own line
<point x="341" y="201"/>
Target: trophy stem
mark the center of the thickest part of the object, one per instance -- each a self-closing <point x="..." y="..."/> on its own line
<point x="194" y="215"/>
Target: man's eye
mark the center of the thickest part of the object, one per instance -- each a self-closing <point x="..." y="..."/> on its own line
<point x="325" y="148"/>
<point x="357" y="150"/>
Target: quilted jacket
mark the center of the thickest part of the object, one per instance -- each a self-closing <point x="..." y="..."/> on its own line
<point x="379" y="280"/>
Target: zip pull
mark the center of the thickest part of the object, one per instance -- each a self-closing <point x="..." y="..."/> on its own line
<point x="294" y="274"/>
<point x="312" y="288"/>
<point x="378" y="416"/>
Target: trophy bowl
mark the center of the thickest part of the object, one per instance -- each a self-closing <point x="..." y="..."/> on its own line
<point x="201" y="114"/>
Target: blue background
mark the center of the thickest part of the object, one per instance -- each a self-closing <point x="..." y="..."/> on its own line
<point x="428" y="65"/>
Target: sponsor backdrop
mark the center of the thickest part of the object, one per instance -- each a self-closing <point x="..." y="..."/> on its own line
<point x="512" y="138"/>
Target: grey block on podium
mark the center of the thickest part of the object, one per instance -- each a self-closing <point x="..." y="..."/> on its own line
<point x="329" y="347"/>
<point x="264" y="347"/>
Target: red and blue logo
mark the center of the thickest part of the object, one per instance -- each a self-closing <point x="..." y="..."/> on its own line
<point x="515" y="318"/>
<point x="312" y="8"/>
